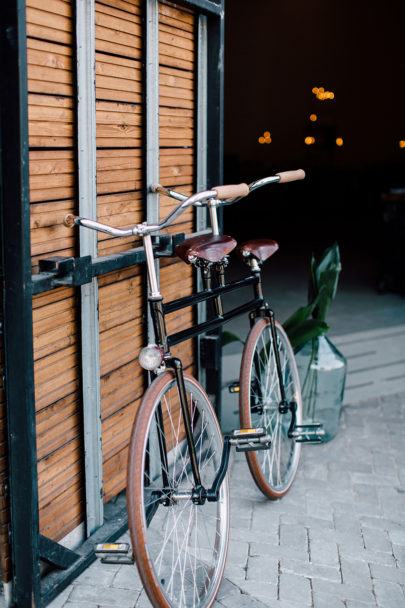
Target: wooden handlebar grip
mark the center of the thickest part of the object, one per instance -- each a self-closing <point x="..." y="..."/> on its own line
<point x="69" y="220"/>
<point x="291" y="176"/>
<point x="230" y="192"/>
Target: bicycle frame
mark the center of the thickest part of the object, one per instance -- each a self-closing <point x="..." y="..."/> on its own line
<point x="256" y="307"/>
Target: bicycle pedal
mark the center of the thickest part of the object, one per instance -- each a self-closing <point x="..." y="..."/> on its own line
<point x="118" y="559"/>
<point x="308" y="433"/>
<point x="114" y="553"/>
<point x="250" y="440"/>
<point x="248" y="433"/>
<point x="233" y="387"/>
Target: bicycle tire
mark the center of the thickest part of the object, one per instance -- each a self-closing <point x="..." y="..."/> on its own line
<point x="181" y="549"/>
<point x="273" y="470"/>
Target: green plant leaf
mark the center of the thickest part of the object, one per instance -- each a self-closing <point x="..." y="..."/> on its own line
<point x="307" y="330"/>
<point x="313" y="282"/>
<point x="328" y="280"/>
<point x="302" y="313"/>
<point x="228" y="337"/>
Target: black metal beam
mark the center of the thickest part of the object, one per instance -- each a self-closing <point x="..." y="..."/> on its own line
<point x="215" y="145"/>
<point x="208" y="294"/>
<point x="18" y="340"/>
<point x="215" y="100"/>
<point x="206" y="6"/>
<point x="214" y="323"/>
<point x="56" y="271"/>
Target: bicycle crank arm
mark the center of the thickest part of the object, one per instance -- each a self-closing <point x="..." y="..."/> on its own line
<point x="244" y="440"/>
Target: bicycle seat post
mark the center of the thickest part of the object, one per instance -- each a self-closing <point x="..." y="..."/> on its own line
<point x="219" y="267"/>
<point x="155" y="298"/>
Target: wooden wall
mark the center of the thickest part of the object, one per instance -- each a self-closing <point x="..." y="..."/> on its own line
<point x="51" y="89"/>
<point x="120" y="202"/>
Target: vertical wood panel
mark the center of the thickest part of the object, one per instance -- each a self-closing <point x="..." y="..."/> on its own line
<point x="52" y="108"/>
<point x="177" y="107"/>
<point x="119" y="117"/>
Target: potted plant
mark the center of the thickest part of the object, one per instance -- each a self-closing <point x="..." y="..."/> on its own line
<point x="321" y="366"/>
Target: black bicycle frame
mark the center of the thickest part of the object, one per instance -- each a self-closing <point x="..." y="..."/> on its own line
<point x="256" y="307"/>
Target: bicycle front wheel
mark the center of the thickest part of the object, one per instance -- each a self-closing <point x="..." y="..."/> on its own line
<point x="259" y="398"/>
<point x="180" y="547"/>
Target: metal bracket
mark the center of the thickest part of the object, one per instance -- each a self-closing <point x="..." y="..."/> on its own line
<point x="55" y="554"/>
<point x="58" y="271"/>
<point x="71" y="272"/>
<point x="164" y="245"/>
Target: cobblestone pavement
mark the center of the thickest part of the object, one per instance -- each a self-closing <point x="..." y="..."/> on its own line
<point x="336" y="540"/>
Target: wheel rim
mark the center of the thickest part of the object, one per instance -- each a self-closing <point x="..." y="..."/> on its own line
<point x="277" y="466"/>
<point x="186" y="543"/>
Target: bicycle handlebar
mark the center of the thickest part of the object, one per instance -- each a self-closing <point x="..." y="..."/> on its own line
<point x="220" y="194"/>
<point x="291" y="176"/>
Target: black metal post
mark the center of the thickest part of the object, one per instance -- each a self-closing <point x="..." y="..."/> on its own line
<point x="215" y="146"/>
<point x="18" y="340"/>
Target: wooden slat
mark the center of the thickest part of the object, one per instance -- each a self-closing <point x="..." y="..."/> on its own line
<point x="51" y="121"/>
<point x="180" y="16"/>
<point x="52" y="177"/>
<point x="115" y="34"/>
<point x="133" y="7"/>
<point x="46" y="23"/>
<point x="49" y="68"/>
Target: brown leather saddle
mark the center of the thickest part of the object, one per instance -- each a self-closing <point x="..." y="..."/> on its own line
<point x="260" y="249"/>
<point x="210" y="248"/>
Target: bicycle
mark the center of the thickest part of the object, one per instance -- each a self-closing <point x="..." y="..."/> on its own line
<point x="177" y="480"/>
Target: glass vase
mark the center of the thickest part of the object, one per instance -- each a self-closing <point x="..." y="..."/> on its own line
<point x="322" y="369"/>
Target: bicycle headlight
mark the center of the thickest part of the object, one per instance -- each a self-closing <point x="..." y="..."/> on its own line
<point x="151" y="357"/>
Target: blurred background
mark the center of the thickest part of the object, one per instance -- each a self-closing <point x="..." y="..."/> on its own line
<point x="319" y="85"/>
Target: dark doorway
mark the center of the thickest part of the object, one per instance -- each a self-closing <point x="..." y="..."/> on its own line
<point x="287" y="62"/>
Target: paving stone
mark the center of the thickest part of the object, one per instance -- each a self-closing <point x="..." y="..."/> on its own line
<point x="376" y="557"/>
<point x="376" y="540"/>
<point x="388" y="573"/>
<point x="98" y="574"/>
<point x="399" y="555"/>
<point x="359" y="604"/>
<point x="277" y="552"/>
<point x="295" y="588"/>
<point x="322" y="600"/>
<point x="307" y="521"/>
<point x="61" y="599"/>
<point x="294" y="536"/>
<point x="143" y="601"/>
<point x="127" y="577"/>
<point x="263" y="568"/>
<point x="241" y="601"/>
<point x="323" y="552"/>
<point x="227" y="589"/>
<point x="108" y="596"/>
<point x="264" y="592"/>
<point x="389" y="595"/>
<point x="355" y="572"/>
<point x="235" y="574"/>
<point x="238" y="552"/>
<point x="310" y="570"/>
<point x="343" y="592"/>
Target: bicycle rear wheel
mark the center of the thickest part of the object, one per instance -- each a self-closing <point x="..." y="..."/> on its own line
<point x="181" y="547"/>
<point x="273" y="470"/>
